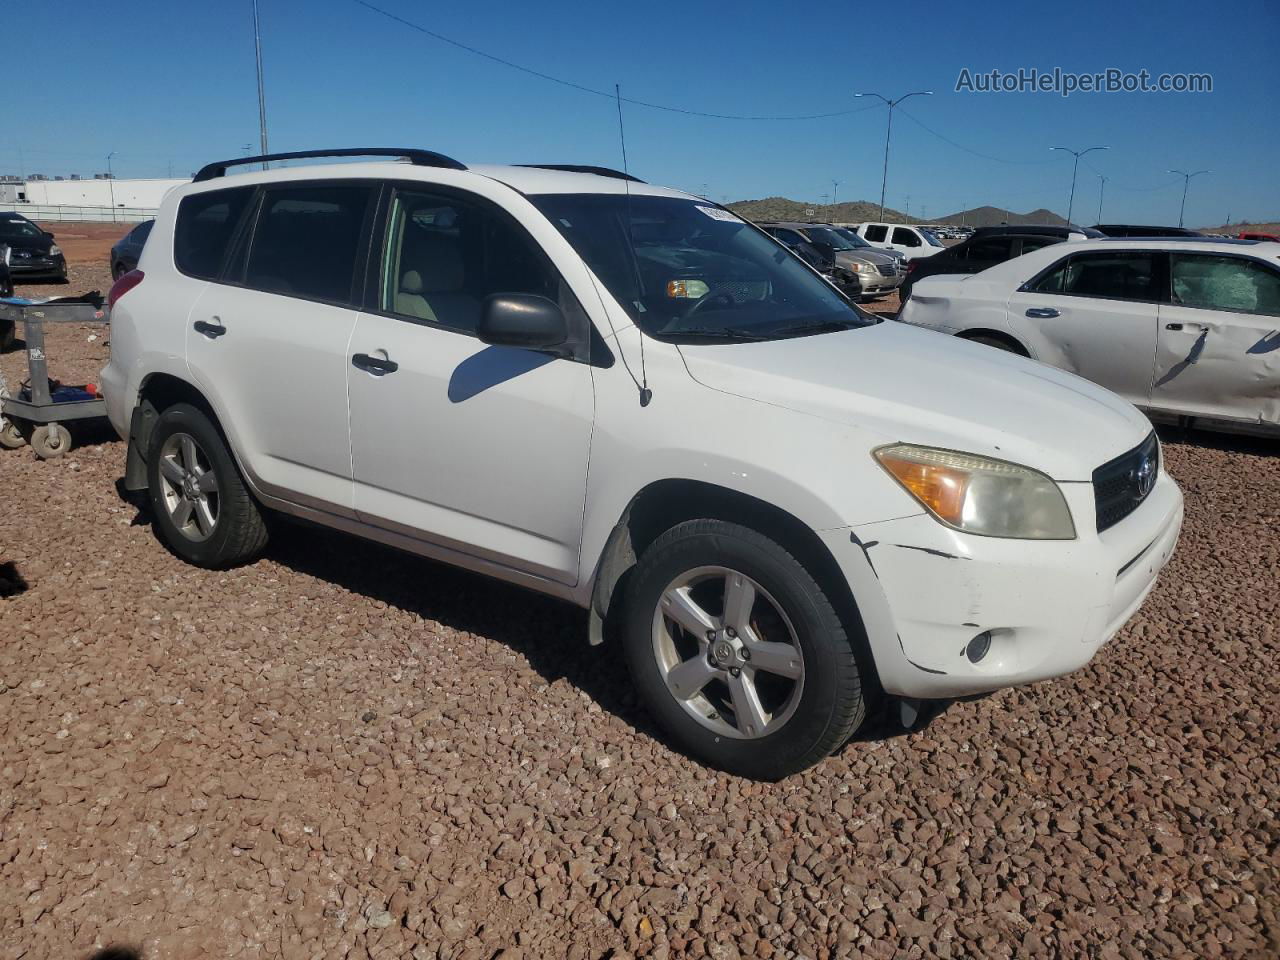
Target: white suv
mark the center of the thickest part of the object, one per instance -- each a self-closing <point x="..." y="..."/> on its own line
<point x="912" y="242"/>
<point x="625" y="396"/>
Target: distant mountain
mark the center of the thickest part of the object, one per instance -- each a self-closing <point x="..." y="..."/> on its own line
<point x="995" y="216"/>
<point x="781" y="208"/>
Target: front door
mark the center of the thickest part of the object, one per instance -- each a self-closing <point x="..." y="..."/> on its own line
<point x="473" y="448"/>
<point x="1097" y="313"/>
<point x="1218" y="351"/>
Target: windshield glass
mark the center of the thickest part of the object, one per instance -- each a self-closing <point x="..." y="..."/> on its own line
<point x="837" y="238"/>
<point x="855" y="241"/>
<point x="687" y="271"/>
<point x="13" y="227"/>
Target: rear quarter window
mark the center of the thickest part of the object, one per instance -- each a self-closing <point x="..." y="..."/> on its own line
<point x="205" y="225"/>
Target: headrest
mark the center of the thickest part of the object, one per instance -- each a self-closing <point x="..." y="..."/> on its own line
<point x="411" y="282"/>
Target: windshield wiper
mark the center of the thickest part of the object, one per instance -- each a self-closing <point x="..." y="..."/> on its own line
<point x="724" y="333"/>
<point x="826" y="326"/>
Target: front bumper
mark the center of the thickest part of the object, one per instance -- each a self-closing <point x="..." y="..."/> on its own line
<point x="879" y="283"/>
<point x="38" y="267"/>
<point x="926" y="590"/>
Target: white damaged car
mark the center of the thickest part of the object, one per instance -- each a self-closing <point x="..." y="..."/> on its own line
<point x="1180" y="327"/>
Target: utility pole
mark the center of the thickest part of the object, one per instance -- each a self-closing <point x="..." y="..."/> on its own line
<point x="111" y="185"/>
<point x="1074" y="167"/>
<point x="262" y="96"/>
<point x="1101" y="190"/>
<point x="835" y="185"/>
<point x="884" y="177"/>
<point x="1186" y="181"/>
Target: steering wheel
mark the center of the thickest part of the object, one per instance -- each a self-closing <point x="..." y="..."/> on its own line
<point x="723" y="297"/>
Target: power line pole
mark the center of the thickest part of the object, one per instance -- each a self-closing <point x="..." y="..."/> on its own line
<point x="884" y="177"/>
<point x="1101" y="190"/>
<point x="1074" y="167"/>
<point x="835" y="185"/>
<point x="1186" y="181"/>
<point x="111" y="185"/>
<point x="262" y="96"/>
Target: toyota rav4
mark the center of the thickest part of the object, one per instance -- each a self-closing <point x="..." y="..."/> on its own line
<point x="780" y="508"/>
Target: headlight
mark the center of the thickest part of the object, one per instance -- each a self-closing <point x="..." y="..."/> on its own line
<point x="54" y="250"/>
<point x="980" y="495"/>
<point x="863" y="267"/>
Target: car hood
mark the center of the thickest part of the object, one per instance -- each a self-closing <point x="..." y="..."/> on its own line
<point x="874" y="257"/>
<point x="32" y="244"/>
<point x="900" y="383"/>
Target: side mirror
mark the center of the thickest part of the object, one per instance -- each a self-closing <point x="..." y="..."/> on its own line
<point x="522" y="320"/>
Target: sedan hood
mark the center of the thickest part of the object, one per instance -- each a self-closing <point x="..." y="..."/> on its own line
<point x="899" y="383"/>
<point x="873" y="257"/>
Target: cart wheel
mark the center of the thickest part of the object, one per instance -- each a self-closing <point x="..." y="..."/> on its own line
<point x="11" y="437"/>
<point x="51" y="441"/>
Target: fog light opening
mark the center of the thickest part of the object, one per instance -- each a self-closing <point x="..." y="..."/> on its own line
<point x="978" y="647"/>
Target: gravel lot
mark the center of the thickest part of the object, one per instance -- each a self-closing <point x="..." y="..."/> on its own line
<point x="345" y="751"/>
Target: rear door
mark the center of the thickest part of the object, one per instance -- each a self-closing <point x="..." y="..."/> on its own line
<point x="268" y="342"/>
<point x="1095" y="315"/>
<point x="906" y="241"/>
<point x="1218" y="347"/>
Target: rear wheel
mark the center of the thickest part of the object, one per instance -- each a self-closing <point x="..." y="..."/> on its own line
<point x="738" y="651"/>
<point x="200" y="505"/>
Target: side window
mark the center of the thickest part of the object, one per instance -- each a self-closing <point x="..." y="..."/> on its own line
<point x="876" y="232"/>
<point x="789" y="237"/>
<point x="205" y="225"/>
<point x="1224" y="283"/>
<point x="990" y="249"/>
<point x="444" y="255"/>
<point x="306" y="239"/>
<point x="906" y="237"/>
<point x="1037" y="243"/>
<point x="1115" y="276"/>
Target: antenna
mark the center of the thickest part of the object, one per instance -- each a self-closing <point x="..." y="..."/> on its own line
<point x="645" y="393"/>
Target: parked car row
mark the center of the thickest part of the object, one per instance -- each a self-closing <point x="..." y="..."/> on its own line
<point x="627" y="397"/>
<point x="876" y="272"/>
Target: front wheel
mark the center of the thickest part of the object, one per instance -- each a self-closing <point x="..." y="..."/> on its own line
<point x="739" y="653"/>
<point x="200" y="506"/>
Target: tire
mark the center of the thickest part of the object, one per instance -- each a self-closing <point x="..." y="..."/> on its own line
<point x="11" y="435"/>
<point x="8" y="334"/>
<point x="209" y="524"/>
<point x="811" y="714"/>
<point x="997" y="342"/>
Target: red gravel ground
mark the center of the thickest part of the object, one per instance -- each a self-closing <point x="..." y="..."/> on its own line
<point x="342" y="751"/>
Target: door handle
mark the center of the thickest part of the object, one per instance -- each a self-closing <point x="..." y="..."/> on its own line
<point x="376" y="365"/>
<point x="1044" y="312"/>
<point x="211" y="330"/>
<point x="1173" y="326"/>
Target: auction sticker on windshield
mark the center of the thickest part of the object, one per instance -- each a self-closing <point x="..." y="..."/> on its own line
<point x="715" y="213"/>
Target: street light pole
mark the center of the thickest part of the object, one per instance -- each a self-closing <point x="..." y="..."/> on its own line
<point x="835" y="185"/>
<point x="111" y="185"/>
<point x="1075" y="166"/>
<point x="884" y="177"/>
<point x="262" y="97"/>
<point x="1186" y="181"/>
<point x="1101" y="190"/>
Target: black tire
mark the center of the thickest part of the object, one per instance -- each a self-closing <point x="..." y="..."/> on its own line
<point x="238" y="533"/>
<point x="8" y="334"/>
<point x="831" y="703"/>
<point x="998" y="342"/>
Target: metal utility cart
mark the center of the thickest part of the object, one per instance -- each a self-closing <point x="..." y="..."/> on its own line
<point x="38" y="417"/>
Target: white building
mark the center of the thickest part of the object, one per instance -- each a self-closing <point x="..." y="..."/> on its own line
<point x="123" y="201"/>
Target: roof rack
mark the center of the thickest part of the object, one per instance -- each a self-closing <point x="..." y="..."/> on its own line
<point x="419" y="158"/>
<point x="580" y="168"/>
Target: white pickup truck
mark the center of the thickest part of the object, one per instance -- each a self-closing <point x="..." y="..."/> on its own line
<point x="911" y="242"/>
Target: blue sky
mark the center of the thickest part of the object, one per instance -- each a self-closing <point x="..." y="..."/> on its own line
<point x="173" y="84"/>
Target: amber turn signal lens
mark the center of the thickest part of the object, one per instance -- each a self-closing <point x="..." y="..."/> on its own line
<point x="939" y="488"/>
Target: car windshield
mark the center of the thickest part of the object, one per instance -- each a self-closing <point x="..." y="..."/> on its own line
<point x="687" y="271"/>
<point x="837" y="238"/>
<point x="855" y="241"/>
<point x="14" y="227"/>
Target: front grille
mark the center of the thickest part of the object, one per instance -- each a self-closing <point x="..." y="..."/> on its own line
<point x="887" y="269"/>
<point x="1120" y="485"/>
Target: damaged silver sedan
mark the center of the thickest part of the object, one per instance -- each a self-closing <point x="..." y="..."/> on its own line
<point x="1184" y="328"/>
